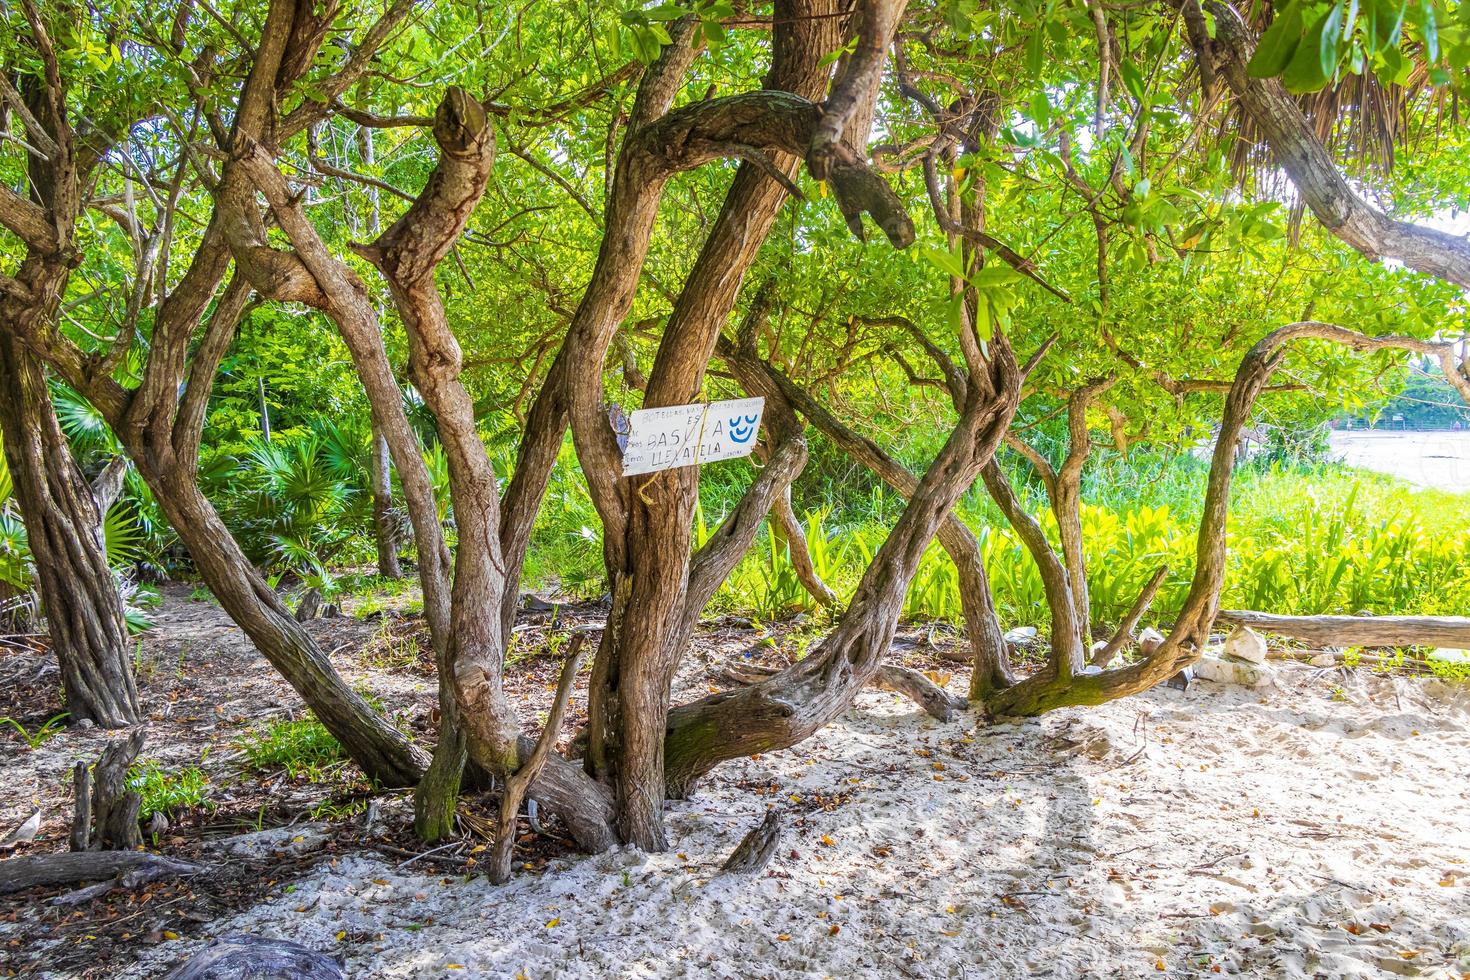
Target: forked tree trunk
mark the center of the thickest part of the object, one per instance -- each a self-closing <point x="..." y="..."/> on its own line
<point x="84" y="612"/>
<point x="648" y="519"/>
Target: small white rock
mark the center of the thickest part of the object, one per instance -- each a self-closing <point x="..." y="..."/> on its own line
<point x="1021" y="636"/>
<point x="1223" y="671"/>
<point x="1246" y="644"/>
<point x="1324" y="660"/>
<point x="1450" y="655"/>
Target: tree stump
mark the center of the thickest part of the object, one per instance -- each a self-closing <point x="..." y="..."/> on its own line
<point x="311" y="606"/>
<point x="243" y="956"/>
<point x="755" y="852"/>
<point x="106" y="817"/>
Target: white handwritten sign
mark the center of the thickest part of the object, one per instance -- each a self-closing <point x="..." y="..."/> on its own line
<point x="684" y="435"/>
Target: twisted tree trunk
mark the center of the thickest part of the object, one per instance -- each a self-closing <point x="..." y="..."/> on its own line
<point x="804" y="697"/>
<point x="1054" y="688"/>
<point x="637" y="662"/>
<point x="84" y="612"/>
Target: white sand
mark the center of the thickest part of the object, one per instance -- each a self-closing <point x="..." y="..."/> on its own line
<point x="1320" y="830"/>
<point x="1433" y="460"/>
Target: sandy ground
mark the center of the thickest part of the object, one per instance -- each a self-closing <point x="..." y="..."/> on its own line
<point x="1318" y="830"/>
<point x="1434" y="460"/>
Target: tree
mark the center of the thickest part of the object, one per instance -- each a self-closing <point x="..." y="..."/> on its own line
<point x="63" y="515"/>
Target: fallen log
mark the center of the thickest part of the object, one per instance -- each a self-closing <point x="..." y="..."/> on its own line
<point x="1358" y="631"/>
<point x="33" y="870"/>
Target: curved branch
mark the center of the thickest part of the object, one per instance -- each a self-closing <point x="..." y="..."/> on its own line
<point x="1043" y="692"/>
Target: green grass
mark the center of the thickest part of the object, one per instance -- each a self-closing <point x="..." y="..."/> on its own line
<point x="301" y="748"/>
<point x="169" y="791"/>
<point x="1303" y="539"/>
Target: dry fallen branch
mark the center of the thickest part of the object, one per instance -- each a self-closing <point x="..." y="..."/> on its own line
<point x="1358" y="631"/>
<point x="35" y="870"/>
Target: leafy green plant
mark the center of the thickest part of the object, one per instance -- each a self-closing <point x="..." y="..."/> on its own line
<point x="301" y="747"/>
<point x="169" y="791"/>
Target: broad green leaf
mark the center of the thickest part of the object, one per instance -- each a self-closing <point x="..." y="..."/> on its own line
<point x="1316" y="55"/>
<point x="1276" y="47"/>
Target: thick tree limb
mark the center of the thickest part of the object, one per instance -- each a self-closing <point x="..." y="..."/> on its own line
<point x="1313" y="171"/>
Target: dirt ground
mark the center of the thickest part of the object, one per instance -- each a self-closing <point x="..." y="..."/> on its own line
<point x="1320" y="828"/>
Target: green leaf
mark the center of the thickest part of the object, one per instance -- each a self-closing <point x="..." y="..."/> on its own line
<point x="1040" y="110"/>
<point x="1316" y="55"/>
<point x="1035" y="53"/>
<point x="1385" y="24"/>
<point x="1277" y="46"/>
<point x="1132" y="80"/>
<point x="1429" y="30"/>
<point x="833" y="57"/>
<point x="984" y="320"/>
<point x="946" y="261"/>
<point x="953" y="312"/>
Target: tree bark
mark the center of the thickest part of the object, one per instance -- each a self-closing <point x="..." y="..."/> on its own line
<point x="36" y="870"/>
<point x="1052" y="688"/>
<point x="383" y="752"/>
<point x="647" y="528"/>
<point x="1324" y="188"/>
<point x="385" y="534"/>
<point x="990" y="659"/>
<point x="788" y="534"/>
<point x="84" y="612"/>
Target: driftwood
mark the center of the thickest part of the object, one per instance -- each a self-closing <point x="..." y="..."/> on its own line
<point x="242" y="956"/>
<point x="935" y="701"/>
<point x="32" y="870"/>
<point x="1342" y="658"/>
<point x="755" y="851"/>
<point x="1358" y="631"/>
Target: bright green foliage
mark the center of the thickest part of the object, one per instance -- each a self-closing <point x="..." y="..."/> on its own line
<point x="52" y="727"/>
<point x="169" y="791"/>
<point x="301" y="748"/>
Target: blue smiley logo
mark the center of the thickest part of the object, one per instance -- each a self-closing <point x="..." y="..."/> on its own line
<point x="742" y="428"/>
